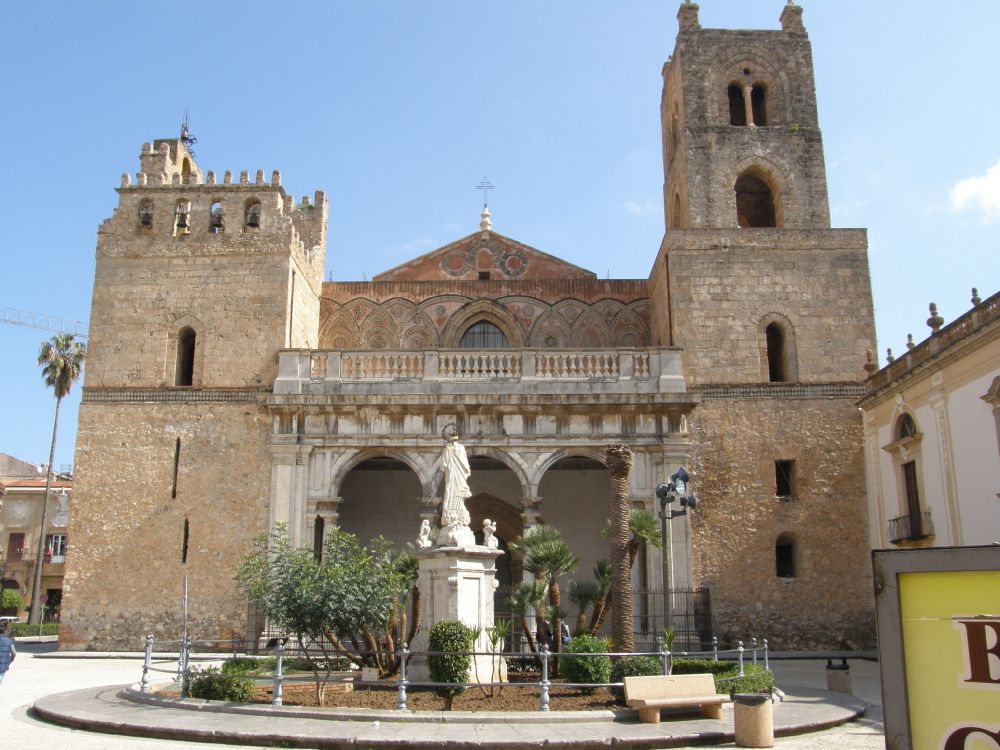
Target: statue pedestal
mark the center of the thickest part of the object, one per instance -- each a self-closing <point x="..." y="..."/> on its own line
<point x="457" y="583"/>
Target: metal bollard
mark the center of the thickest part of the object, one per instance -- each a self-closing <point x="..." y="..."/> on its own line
<point x="753" y="641"/>
<point x="667" y="660"/>
<point x="543" y="698"/>
<point x="715" y="648"/>
<point x="740" y="650"/>
<point x="147" y="664"/>
<point x="766" y="665"/>
<point x="279" y="652"/>
<point x="401" y="697"/>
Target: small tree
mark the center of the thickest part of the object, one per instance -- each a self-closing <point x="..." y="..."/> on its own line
<point x="602" y="605"/>
<point x="348" y="594"/>
<point x="527" y="595"/>
<point x="583" y="594"/>
<point x="453" y="668"/>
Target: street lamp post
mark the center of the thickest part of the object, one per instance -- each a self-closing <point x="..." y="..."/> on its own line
<point x="668" y="493"/>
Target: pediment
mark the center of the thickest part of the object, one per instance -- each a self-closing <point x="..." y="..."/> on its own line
<point x="485" y="255"/>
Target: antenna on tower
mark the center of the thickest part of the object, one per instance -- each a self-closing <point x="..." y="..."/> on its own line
<point x="186" y="138"/>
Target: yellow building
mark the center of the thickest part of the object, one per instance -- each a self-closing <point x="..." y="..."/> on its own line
<point x="22" y="492"/>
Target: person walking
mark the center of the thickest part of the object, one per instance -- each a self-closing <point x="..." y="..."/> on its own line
<point x="7" y="651"/>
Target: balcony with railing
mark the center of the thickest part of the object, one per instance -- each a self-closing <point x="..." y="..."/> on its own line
<point x="911" y="528"/>
<point x="647" y="370"/>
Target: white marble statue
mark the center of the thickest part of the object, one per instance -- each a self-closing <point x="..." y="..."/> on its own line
<point x="424" y="537"/>
<point x="454" y="514"/>
<point x="489" y="532"/>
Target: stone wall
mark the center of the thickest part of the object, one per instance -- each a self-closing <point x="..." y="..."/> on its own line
<point x="829" y="602"/>
<point x="124" y="570"/>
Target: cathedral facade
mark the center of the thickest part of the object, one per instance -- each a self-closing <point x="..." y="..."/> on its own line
<point x="229" y="388"/>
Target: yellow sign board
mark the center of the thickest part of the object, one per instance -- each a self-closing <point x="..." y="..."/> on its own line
<point x="950" y="623"/>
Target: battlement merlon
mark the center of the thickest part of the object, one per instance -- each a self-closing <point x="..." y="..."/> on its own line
<point x="790" y="19"/>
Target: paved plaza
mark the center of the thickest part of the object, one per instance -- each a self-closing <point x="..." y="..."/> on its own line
<point x="38" y="672"/>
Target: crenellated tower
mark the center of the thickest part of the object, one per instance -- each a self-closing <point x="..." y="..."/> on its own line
<point x="198" y="283"/>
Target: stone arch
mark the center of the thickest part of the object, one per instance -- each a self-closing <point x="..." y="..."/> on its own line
<point x="591" y="330"/>
<point x="776" y="343"/>
<point x="487" y="310"/>
<point x="758" y="199"/>
<point x="381" y="495"/>
<point x="180" y="342"/>
<point x="762" y="74"/>
<point x="416" y="463"/>
<point x="629" y="328"/>
<point x="551" y="331"/>
<point x="538" y="471"/>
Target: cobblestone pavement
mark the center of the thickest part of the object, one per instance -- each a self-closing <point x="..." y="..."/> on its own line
<point x="32" y="677"/>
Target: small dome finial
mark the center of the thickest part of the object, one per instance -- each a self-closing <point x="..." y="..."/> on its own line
<point x="484" y="220"/>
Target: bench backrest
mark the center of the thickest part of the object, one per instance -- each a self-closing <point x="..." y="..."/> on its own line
<point x="669" y="686"/>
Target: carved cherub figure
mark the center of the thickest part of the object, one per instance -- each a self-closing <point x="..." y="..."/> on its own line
<point x="424" y="537"/>
<point x="489" y="530"/>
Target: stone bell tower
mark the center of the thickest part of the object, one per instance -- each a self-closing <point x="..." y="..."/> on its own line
<point x="198" y="282"/>
<point x="773" y="311"/>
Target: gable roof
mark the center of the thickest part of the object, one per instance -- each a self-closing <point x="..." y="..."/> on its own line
<point x="485" y="252"/>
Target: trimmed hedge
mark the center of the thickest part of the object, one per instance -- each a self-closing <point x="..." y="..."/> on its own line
<point x="241" y="665"/>
<point x="212" y="684"/>
<point x="450" y="635"/>
<point x="590" y="669"/>
<point x="755" y="679"/>
<point x="24" y="630"/>
<point x="700" y="666"/>
<point x="636" y="666"/>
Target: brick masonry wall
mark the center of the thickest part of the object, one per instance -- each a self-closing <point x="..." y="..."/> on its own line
<point x="124" y="574"/>
<point x="829" y="602"/>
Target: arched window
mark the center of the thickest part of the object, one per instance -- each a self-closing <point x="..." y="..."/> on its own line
<point x="675" y="219"/>
<point x="146" y="214"/>
<point x="737" y="108"/>
<point x="758" y="103"/>
<point x="483" y="335"/>
<point x="777" y="355"/>
<point x="251" y="219"/>
<point x="184" y="371"/>
<point x="754" y="203"/>
<point x="185" y="170"/>
<point x="784" y="556"/>
<point x="217" y="219"/>
<point x="905" y="427"/>
<point x="182" y="217"/>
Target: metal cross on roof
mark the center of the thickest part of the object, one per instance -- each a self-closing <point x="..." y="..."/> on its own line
<point x="484" y="186"/>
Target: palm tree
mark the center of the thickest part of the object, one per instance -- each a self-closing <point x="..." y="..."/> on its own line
<point x="618" y="459"/>
<point x="602" y="575"/>
<point x="642" y="527"/>
<point x="548" y="557"/>
<point x="583" y="594"/>
<point x="527" y="595"/>
<point x="61" y="360"/>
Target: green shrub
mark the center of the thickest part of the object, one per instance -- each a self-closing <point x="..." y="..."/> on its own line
<point x="212" y="684"/>
<point x="24" y="630"/>
<point x="450" y="635"/>
<point x="700" y="666"/>
<point x="241" y="665"/>
<point x="636" y="666"/>
<point x="586" y="669"/>
<point x="755" y="679"/>
<point x="11" y="599"/>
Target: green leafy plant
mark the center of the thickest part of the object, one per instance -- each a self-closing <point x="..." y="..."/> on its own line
<point x="586" y="669"/>
<point x="214" y="685"/>
<point x="11" y="599"/>
<point x="241" y="665"/>
<point x="23" y="629"/>
<point x="451" y="668"/>
<point x="636" y="666"/>
<point x="755" y="679"/>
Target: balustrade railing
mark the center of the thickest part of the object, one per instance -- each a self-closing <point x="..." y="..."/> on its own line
<point x="299" y="367"/>
<point x="911" y="527"/>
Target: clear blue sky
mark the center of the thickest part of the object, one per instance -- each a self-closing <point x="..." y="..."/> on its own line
<point x="398" y="109"/>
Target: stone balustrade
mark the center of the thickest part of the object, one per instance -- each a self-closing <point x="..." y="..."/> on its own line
<point x="320" y="371"/>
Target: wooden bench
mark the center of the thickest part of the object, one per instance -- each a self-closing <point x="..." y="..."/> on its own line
<point x="650" y="694"/>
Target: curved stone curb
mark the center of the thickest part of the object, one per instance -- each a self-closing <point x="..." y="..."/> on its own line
<point x="113" y="710"/>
